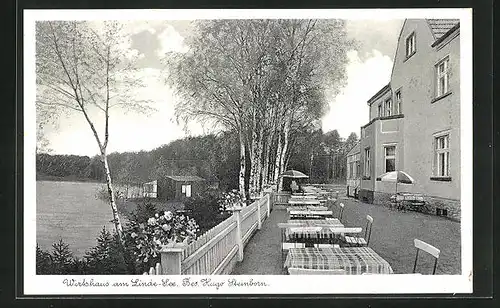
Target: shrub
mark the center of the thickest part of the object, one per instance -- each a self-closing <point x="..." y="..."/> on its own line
<point x="160" y="230"/>
<point x="62" y="258"/>
<point x="206" y="209"/>
<point x="43" y="262"/>
<point x="230" y="199"/>
<point x="143" y="212"/>
<point x="107" y="257"/>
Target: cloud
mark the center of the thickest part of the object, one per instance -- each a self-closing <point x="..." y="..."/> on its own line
<point x="129" y="131"/>
<point x="170" y="41"/>
<point x="365" y="76"/>
<point x="381" y="35"/>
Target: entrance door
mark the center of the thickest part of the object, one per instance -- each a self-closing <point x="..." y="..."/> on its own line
<point x="188" y="190"/>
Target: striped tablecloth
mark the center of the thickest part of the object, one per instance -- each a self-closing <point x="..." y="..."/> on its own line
<point x="354" y="260"/>
<point x="292" y="234"/>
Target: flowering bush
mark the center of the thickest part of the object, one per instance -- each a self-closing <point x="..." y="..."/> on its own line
<point x="204" y="208"/>
<point x="160" y="230"/>
<point x="229" y="200"/>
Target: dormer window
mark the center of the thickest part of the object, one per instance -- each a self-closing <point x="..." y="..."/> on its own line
<point x="411" y="45"/>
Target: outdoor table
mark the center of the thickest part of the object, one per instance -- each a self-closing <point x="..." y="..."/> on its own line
<point x="307" y="207"/>
<point x="354" y="260"/>
<point x="403" y="200"/>
<point x="300" y="197"/>
<point x="297" y="235"/>
<point x="310" y="214"/>
<point x="303" y="201"/>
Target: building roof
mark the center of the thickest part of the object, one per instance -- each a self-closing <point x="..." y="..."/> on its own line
<point x="440" y="27"/>
<point x="185" y="178"/>
<point x="354" y="150"/>
<point x="382" y="91"/>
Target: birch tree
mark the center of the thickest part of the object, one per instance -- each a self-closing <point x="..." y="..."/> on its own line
<point x="263" y="79"/>
<point x="86" y="68"/>
<point x="216" y="80"/>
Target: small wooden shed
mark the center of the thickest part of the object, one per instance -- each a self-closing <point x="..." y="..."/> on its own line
<point x="178" y="187"/>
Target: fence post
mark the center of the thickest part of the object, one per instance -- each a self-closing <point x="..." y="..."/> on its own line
<point x="171" y="257"/>
<point x="239" y="240"/>
<point x="268" y="196"/>
<point x="259" y="222"/>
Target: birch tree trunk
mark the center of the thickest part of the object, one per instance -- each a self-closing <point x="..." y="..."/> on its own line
<point x="286" y="133"/>
<point x="258" y="161"/>
<point x="111" y="195"/>
<point x="267" y="154"/>
<point x="277" y="162"/>
<point x="253" y="157"/>
<point x="242" y="165"/>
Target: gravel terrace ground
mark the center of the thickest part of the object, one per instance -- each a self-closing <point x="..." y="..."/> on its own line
<point x="392" y="238"/>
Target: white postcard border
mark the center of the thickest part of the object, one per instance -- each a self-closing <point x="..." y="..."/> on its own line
<point x="365" y="284"/>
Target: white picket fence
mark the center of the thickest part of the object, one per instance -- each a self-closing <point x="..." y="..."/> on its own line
<point x="218" y="250"/>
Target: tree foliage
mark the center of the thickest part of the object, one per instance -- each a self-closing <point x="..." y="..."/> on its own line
<point x="261" y="79"/>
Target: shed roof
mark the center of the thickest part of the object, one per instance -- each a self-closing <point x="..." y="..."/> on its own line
<point x="185" y="178"/>
<point x="440" y="27"/>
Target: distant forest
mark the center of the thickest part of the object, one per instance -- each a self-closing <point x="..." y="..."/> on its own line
<point x="214" y="157"/>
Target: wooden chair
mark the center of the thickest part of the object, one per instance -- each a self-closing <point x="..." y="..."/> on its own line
<point x="285" y="246"/>
<point x="306" y="271"/>
<point x="341" y="211"/>
<point x="325" y="245"/>
<point x="361" y="241"/>
<point x="420" y="245"/>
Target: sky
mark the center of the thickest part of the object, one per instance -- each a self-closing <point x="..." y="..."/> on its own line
<point x="368" y="70"/>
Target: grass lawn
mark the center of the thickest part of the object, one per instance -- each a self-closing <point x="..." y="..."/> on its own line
<point x="392" y="238"/>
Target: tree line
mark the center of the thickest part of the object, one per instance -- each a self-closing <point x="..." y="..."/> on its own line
<point x="213" y="157"/>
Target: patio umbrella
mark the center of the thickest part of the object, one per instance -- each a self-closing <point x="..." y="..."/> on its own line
<point x="398" y="177"/>
<point x="294" y="174"/>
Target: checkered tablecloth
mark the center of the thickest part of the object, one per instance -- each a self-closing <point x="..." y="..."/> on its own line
<point x="325" y="232"/>
<point x="354" y="260"/>
<point x="303" y="201"/>
<point x="307" y="208"/>
<point x="308" y="214"/>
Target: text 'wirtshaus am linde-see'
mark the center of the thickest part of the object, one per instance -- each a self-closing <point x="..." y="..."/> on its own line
<point x="187" y="282"/>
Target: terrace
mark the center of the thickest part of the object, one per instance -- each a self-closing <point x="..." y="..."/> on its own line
<point x="239" y="245"/>
<point x="392" y="238"/>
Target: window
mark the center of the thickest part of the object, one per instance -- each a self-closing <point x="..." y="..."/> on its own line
<point x="351" y="173"/>
<point x="367" y="162"/>
<point x="379" y="111"/>
<point x="442" y="156"/>
<point x="358" y="169"/>
<point x="442" y="77"/>
<point x="410" y="45"/>
<point x="390" y="158"/>
<point x="388" y="107"/>
<point x="398" y="109"/>
<point x="186" y="190"/>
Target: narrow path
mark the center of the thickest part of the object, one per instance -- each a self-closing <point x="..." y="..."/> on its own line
<point x="262" y="255"/>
